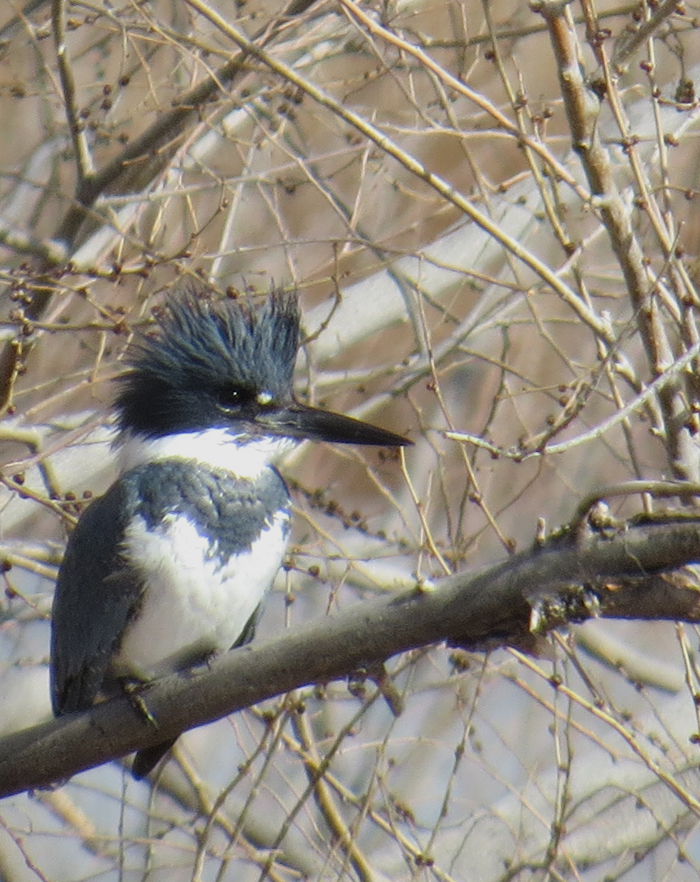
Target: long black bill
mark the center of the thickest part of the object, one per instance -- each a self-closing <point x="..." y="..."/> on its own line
<point x="303" y="422"/>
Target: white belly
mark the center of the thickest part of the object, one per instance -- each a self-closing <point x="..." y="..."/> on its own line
<point x="194" y="604"/>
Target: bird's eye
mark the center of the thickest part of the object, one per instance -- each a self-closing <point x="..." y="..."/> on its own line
<point x="234" y="397"/>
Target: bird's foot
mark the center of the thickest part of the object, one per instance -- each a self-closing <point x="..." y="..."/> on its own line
<point x="133" y="690"/>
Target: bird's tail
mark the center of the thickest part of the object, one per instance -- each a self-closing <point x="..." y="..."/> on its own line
<point x="147" y="759"/>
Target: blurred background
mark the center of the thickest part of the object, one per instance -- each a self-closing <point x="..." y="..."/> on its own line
<point x="490" y="211"/>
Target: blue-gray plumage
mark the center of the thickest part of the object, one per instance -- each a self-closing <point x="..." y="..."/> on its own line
<point x="172" y="564"/>
<point x="230" y="511"/>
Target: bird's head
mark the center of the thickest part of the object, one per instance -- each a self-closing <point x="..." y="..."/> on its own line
<point x="227" y="364"/>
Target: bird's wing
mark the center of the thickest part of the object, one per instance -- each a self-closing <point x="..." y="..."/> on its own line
<point x="96" y="593"/>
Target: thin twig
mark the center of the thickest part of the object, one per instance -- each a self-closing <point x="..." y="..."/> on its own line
<point x="583" y="112"/>
<point x="651" y="391"/>
<point x="83" y="158"/>
<point x="597" y="324"/>
<point x="635" y="33"/>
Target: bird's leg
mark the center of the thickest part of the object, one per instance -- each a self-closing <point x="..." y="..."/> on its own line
<point x="133" y="690"/>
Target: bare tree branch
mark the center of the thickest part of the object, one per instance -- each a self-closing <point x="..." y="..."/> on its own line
<point x="583" y="108"/>
<point x="81" y="149"/>
<point x="637" y="32"/>
<point x="137" y="164"/>
<point x="411" y="163"/>
<point x="293" y="144"/>
<point x="616" y="571"/>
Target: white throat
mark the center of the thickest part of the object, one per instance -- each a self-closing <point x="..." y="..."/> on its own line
<point x="241" y="455"/>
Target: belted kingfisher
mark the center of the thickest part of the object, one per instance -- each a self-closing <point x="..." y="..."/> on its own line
<point x="171" y="566"/>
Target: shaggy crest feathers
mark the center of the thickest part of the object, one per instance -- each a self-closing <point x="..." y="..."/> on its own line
<point x="204" y="351"/>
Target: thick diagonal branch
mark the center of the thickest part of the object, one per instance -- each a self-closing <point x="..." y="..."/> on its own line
<point x="625" y="571"/>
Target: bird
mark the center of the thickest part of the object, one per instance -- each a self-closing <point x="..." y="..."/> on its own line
<point x="171" y="566"/>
